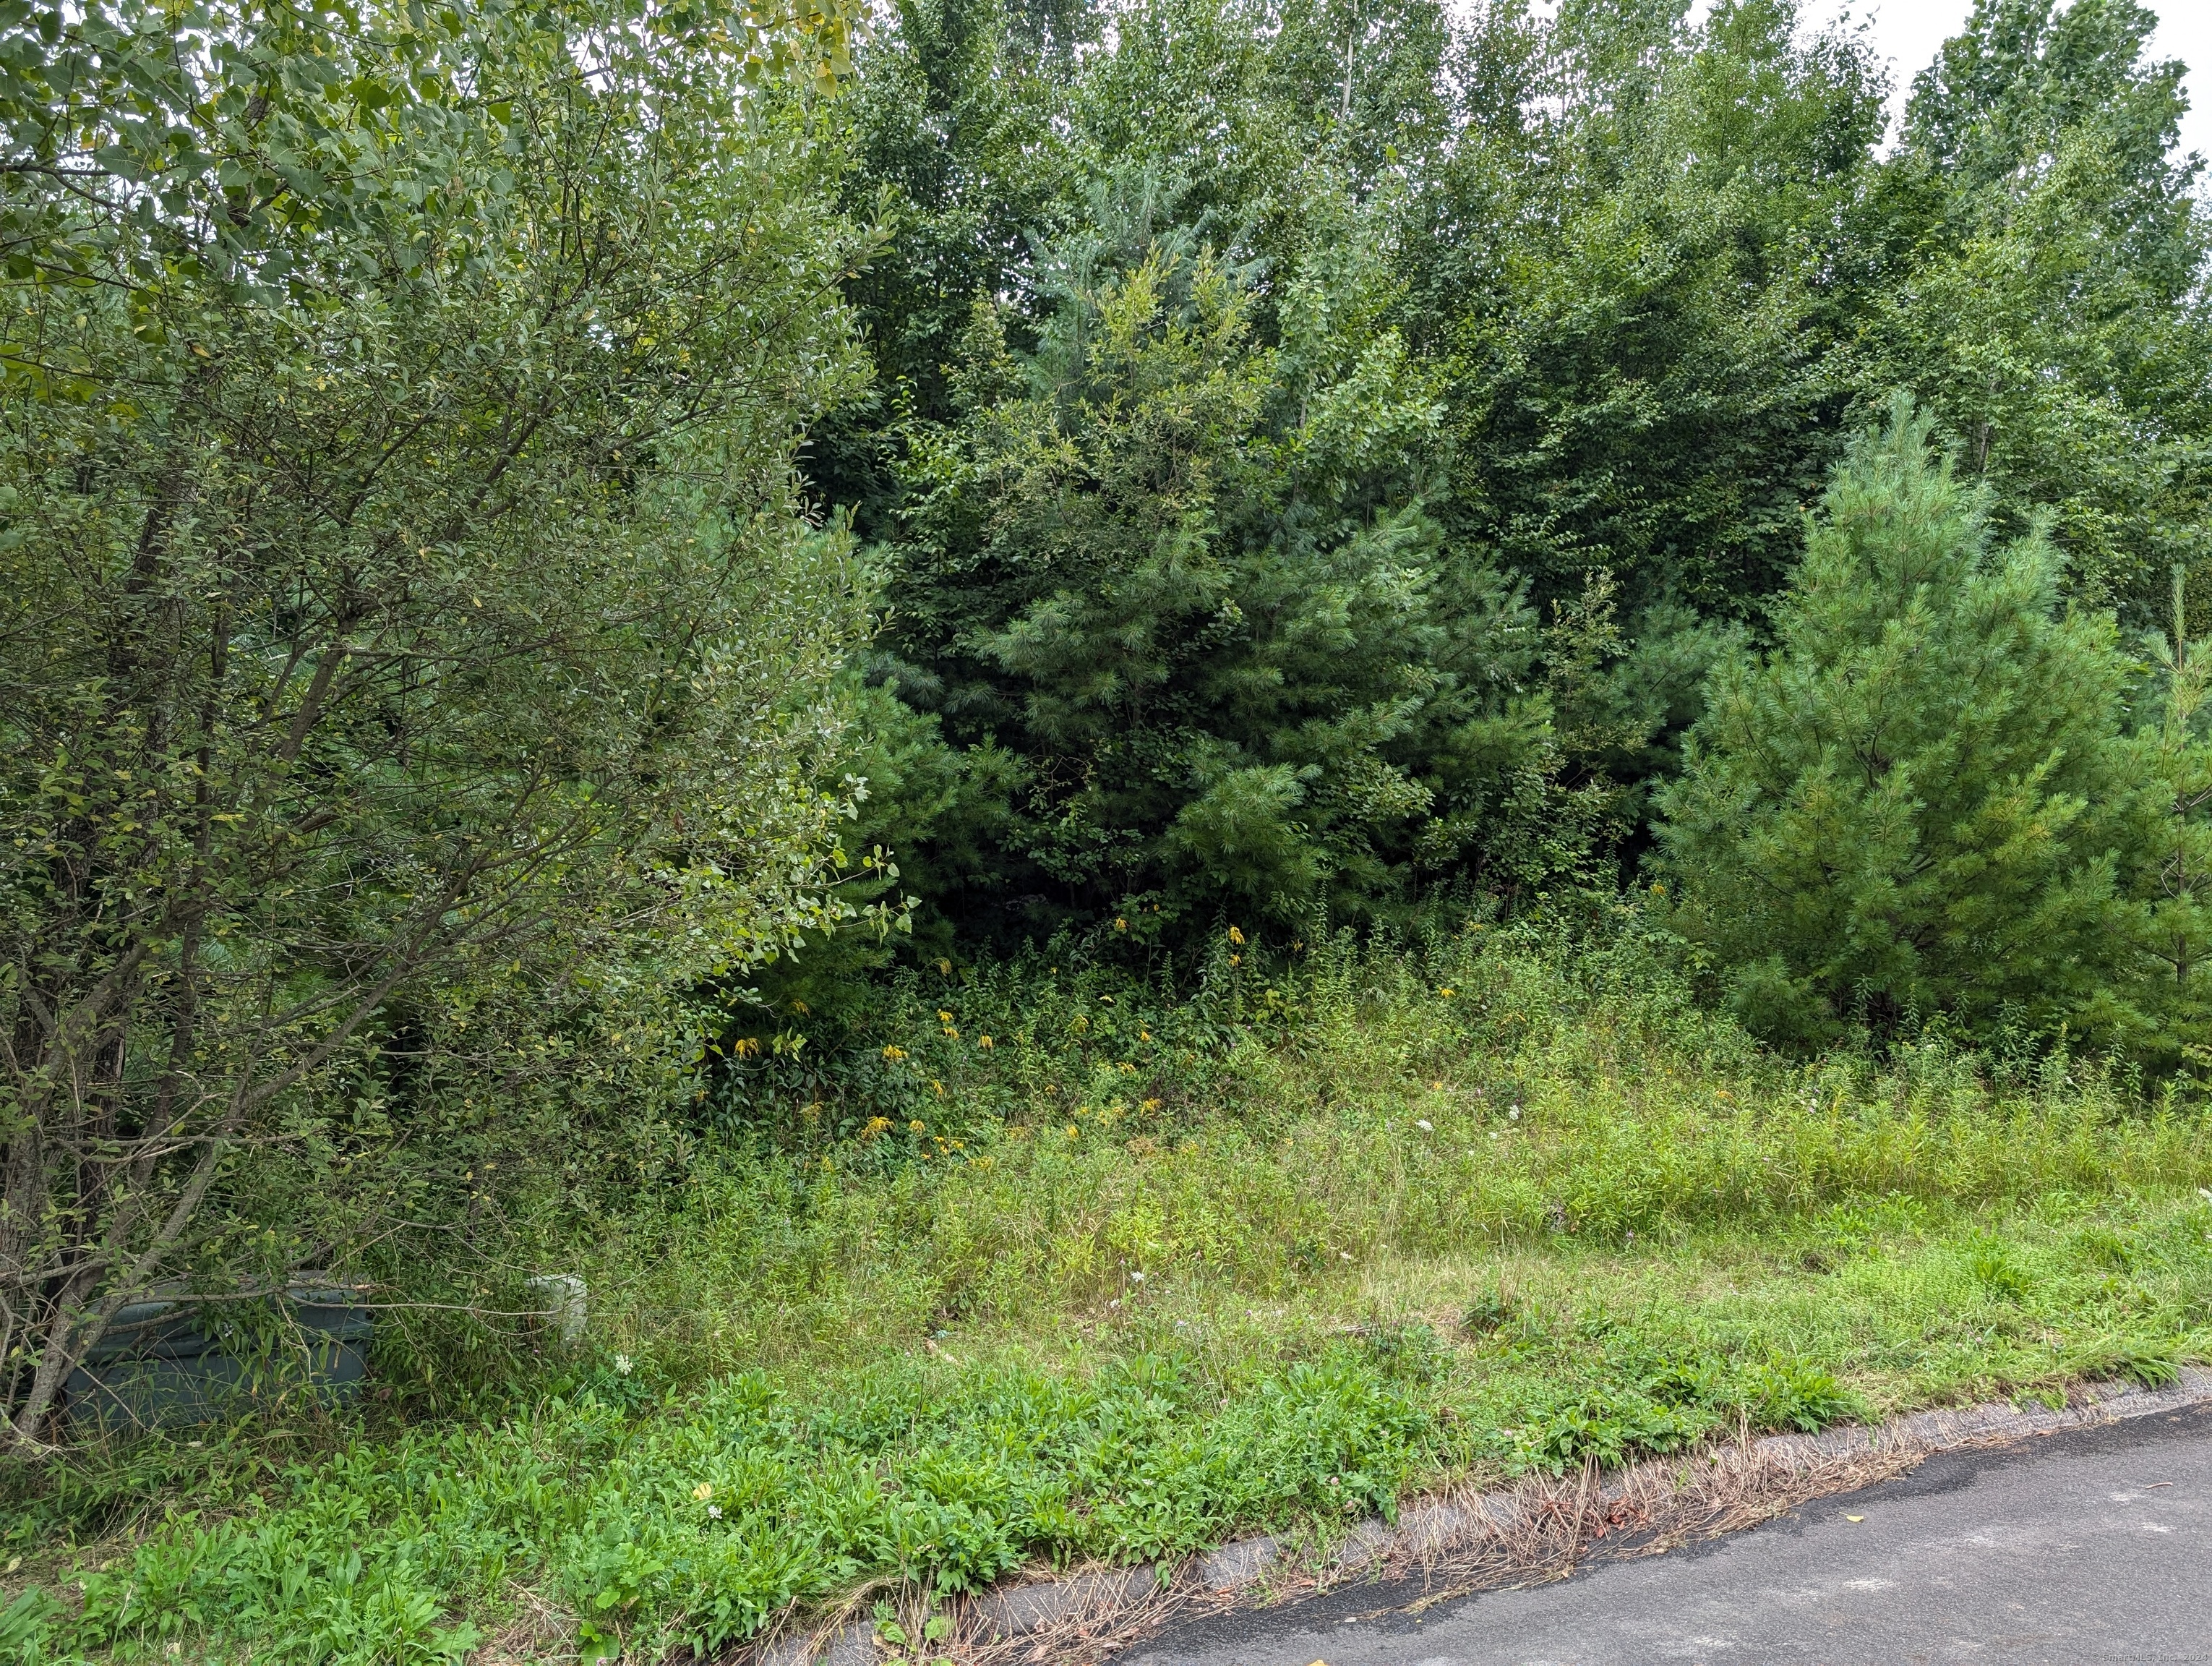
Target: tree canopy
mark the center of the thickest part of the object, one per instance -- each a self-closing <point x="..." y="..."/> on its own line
<point x="1514" y="349"/>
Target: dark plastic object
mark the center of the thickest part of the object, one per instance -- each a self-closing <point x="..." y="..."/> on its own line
<point x="154" y="1368"/>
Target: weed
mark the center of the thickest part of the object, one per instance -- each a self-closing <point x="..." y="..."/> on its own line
<point x="823" y="1366"/>
<point x="1489" y="1313"/>
<point x="1410" y="1352"/>
<point x="2155" y="1365"/>
<point x="1994" y="1271"/>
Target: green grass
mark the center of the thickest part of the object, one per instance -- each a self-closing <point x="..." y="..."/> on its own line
<point x="1369" y="1238"/>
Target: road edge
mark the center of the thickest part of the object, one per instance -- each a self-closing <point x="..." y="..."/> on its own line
<point x="1539" y="1529"/>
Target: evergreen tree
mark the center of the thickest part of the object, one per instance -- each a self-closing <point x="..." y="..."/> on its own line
<point x="1925" y="800"/>
<point x="1189" y="580"/>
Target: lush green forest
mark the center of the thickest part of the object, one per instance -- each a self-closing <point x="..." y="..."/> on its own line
<point x="1139" y="770"/>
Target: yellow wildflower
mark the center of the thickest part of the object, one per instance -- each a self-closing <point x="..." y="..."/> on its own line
<point x="1236" y="936"/>
<point x="894" y="1054"/>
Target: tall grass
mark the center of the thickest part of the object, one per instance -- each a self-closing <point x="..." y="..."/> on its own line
<point x="1460" y="1098"/>
<point x="1146" y="1271"/>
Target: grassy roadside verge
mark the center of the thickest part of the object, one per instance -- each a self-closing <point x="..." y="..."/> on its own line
<point x="1454" y="1215"/>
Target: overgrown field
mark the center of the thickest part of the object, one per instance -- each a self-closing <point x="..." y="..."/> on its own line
<point x="1378" y="1221"/>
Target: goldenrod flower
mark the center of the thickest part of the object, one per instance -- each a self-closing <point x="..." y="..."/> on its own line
<point x="1236" y="936"/>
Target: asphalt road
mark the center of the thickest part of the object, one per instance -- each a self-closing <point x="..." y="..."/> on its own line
<point x="2081" y="1549"/>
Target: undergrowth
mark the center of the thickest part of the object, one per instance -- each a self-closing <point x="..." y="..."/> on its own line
<point x="1143" y="1275"/>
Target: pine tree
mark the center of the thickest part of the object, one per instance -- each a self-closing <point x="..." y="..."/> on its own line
<point x="1188" y="579"/>
<point x="1925" y="800"/>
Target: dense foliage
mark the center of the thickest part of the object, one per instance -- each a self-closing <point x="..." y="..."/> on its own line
<point x="522" y="523"/>
<point x="413" y="660"/>
<point x="1535" y="693"/>
<point x="1320" y="452"/>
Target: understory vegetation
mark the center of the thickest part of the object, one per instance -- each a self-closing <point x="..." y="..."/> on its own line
<point x="1453" y="1213"/>
<point x="935" y="788"/>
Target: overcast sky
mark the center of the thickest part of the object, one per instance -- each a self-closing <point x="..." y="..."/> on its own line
<point x="1908" y="32"/>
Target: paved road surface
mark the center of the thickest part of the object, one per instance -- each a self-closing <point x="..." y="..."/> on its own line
<point x="2083" y="1549"/>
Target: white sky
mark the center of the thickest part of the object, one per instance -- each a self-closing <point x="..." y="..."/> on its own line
<point x="1908" y="32"/>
